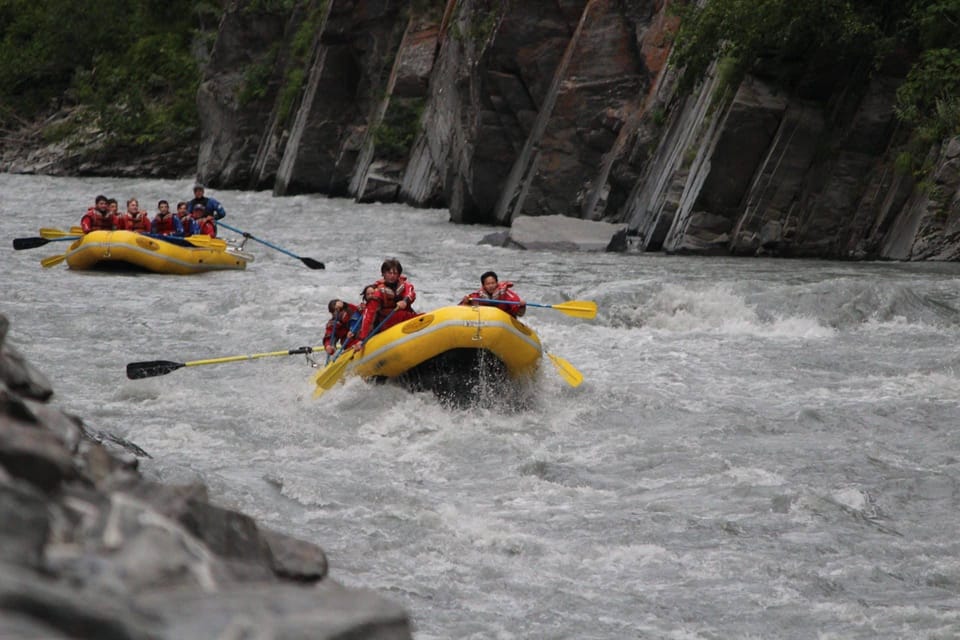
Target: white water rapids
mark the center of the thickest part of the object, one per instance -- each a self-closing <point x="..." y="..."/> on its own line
<point x="760" y="449"/>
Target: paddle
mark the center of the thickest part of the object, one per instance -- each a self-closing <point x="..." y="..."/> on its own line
<point x="310" y="262"/>
<point x="566" y="370"/>
<point x="137" y="370"/>
<point x="46" y="235"/>
<point x="199" y="240"/>
<point x="60" y="233"/>
<point x="331" y="374"/>
<point x="576" y="308"/>
<point x="52" y="261"/>
<point x="333" y="334"/>
<point x="33" y="243"/>
<point x="205" y="241"/>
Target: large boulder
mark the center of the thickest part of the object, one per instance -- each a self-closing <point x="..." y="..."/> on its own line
<point x="560" y="233"/>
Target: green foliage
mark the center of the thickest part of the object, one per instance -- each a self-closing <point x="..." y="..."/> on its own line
<point x="290" y="92"/>
<point x="480" y="22"/>
<point x="659" y="116"/>
<point x="904" y="163"/>
<point x="128" y="61"/>
<point x="60" y="131"/>
<point x="928" y="99"/>
<point x="395" y="134"/>
<point x="781" y="37"/>
<point x="299" y="61"/>
<point x="748" y="31"/>
<point x="303" y="38"/>
<point x="269" y="6"/>
<point x="936" y="23"/>
<point x="256" y="77"/>
<point x="144" y="95"/>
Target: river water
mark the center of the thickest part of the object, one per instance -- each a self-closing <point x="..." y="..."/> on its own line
<point x="760" y="449"/>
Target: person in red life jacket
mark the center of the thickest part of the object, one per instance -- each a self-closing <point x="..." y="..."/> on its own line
<point x="134" y="219"/>
<point x="166" y="223"/>
<point x="114" y="212"/>
<point x="202" y="222"/>
<point x="97" y="217"/>
<point x="338" y="326"/>
<point x="392" y="298"/>
<point x="187" y="224"/>
<point x="492" y="290"/>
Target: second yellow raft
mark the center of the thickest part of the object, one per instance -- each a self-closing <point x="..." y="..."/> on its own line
<point x="175" y="255"/>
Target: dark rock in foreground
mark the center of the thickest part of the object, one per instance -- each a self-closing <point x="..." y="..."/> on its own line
<point x="91" y="549"/>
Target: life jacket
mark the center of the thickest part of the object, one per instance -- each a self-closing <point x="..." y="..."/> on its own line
<point x="334" y="334"/>
<point x="166" y="225"/>
<point x="383" y="304"/>
<point x="388" y="296"/>
<point x="189" y="225"/>
<point x="502" y="292"/>
<point x="206" y="227"/>
<point x="93" y="220"/>
<point x="140" y="222"/>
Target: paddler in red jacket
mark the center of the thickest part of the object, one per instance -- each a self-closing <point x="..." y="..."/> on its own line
<point x="166" y="223"/>
<point x="390" y="302"/>
<point x="492" y="291"/>
<point x="204" y="223"/>
<point x="97" y="217"/>
<point x="134" y="219"/>
<point x="338" y="326"/>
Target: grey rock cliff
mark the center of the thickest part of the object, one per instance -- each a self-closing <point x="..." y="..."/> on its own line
<point x="569" y="108"/>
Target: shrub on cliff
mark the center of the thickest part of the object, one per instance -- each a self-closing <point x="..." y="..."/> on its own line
<point x="130" y="63"/>
<point x="784" y="39"/>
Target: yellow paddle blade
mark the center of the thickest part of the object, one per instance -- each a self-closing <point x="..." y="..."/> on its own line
<point x="76" y="231"/>
<point x="52" y="261"/>
<point x="207" y="242"/>
<point x="58" y="233"/>
<point x="577" y="308"/>
<point x="332" y="373"/>
<point x="566" y="370"/>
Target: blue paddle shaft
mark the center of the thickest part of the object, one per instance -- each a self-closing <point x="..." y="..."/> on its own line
<point x="253" y="237"/>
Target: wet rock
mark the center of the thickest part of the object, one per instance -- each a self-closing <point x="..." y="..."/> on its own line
<point x="33" y="455"/>
<point x="24" y="527"/>
<point x="296" y="559"/>
<point x="17" y="374"/>
<point x="560" y="233"/>
<point x="248" y="611"/>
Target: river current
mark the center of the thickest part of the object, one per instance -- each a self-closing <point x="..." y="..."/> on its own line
<point x="760" y="448"/>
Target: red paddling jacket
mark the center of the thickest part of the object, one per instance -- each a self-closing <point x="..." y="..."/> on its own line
<point x="502" y="292"/>
<point x="383" y="301"/>
<point x="332" y="335"/>
<point x="93" y="220"/>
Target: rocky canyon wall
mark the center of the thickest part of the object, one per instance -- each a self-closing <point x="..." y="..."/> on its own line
<point x="499" y="108"/>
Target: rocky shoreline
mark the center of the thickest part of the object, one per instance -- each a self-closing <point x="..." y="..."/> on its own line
<point x="84" y="153"/>
<point x="90" y="548"/>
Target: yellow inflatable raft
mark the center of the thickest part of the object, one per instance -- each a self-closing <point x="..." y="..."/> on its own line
<point x="452" y="351"/>
<point x="99" y="249"/>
